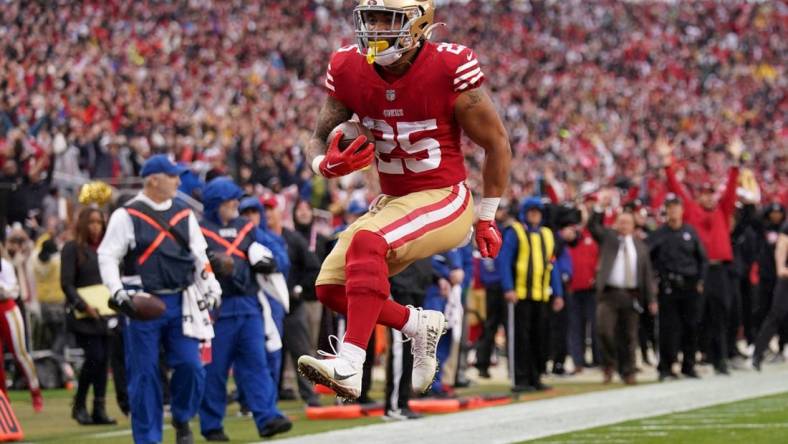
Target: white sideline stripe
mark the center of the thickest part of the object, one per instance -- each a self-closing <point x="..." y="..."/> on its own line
<point x="538" y="419"/>
<point x="467" y="75"/>
<point x="462" y="68"/>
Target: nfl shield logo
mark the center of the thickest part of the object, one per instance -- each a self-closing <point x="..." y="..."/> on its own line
<point x="391" y="95"/>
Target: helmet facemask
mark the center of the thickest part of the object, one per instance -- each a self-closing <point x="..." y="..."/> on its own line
<point x="386" y="46"/>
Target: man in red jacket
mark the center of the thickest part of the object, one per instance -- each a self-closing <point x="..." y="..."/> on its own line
<point x="582" y="298"/>
<point x="712" y="222"/>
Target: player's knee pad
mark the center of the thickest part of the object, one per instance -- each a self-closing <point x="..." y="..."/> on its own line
<point x="365" y="264"/>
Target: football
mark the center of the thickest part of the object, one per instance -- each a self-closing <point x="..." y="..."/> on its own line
<point x="221" y="263"/>
<point x="147" y="306"/>
<point x="350" y="131"/>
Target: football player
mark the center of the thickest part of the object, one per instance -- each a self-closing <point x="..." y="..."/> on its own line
<point x="417" y="97"/>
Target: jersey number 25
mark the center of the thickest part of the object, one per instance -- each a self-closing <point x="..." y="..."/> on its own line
<point x="391" y="139"/>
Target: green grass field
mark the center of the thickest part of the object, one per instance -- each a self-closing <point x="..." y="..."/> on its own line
<point x="54" y="424"/>
<point x="760" y="420"/>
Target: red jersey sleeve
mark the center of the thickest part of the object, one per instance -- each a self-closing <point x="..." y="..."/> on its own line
<point x="462" y="66"/>
<point x="336" y="73"/>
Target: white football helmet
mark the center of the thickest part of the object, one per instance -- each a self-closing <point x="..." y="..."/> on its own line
<point x="411" y="22"/>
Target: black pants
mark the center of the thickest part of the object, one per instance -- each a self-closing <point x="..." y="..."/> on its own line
<point x="559" y="324"/>
<point x="530" y="329"/>
<point x="399" y="364"/>
<point x="773" y="320"/>
<point x="296" y="342"/>
<point x="747" y="293"/>
<point x="94" y="369"/>
<point x="369" y="363"/>
<point x="118" y="364"/>
<point x="581" y="309"/>
<point x="763" y="305"/>
<point x="647" y="333"/>
<point x="679" y="319"/>
<point x="617" y="328"/>
<point x="735" y="315"/>
<point x="496" y="316"/>
<point x="717" y="304"/>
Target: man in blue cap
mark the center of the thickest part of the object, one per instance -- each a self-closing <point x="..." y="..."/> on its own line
<point x="531" y="284"/>
<point x="157" y="242"/>
<point x="239" y="330"/>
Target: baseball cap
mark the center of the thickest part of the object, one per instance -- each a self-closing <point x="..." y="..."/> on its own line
<point x="706" y="187"/>
<point x="160" y="163"/>
<point x="672" y="199"/>
<point x="269" y="201"/>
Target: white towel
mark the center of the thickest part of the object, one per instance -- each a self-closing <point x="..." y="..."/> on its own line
<point x="273" y="341"/>
<point x="196" y="322"/>
<point x="454" y="312"/>
<point x="275" y="285"/>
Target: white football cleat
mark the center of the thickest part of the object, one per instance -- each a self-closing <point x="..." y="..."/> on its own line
<point x="337" y="373"/>
<point x="432" y="324"/>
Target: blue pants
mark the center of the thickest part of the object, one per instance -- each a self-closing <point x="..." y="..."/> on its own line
<point x="142" y="342"/>
<point x="239" y="343"/>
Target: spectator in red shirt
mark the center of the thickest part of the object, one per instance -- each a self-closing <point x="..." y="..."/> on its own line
<point x="581" y="301"/>
<point x="712" y="222"/>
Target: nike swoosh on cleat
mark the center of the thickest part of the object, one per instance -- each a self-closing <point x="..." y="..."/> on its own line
<point x="339" y="377"/>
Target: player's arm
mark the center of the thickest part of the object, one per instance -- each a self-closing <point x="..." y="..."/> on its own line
<point x="331" y="114"/>
<point x="336" y="162"/>
<point x="478" y="118"/>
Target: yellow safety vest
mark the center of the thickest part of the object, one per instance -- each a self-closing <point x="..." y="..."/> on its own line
<point x="539" y="246"/>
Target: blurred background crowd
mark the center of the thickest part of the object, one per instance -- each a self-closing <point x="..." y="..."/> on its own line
<point x="90" y="89"/>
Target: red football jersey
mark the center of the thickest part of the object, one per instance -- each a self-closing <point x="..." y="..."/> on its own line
<point x="417" y="138"/>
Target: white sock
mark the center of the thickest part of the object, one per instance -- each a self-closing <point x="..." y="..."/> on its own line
<point x="411" y="327"/>
<point x="353" y="353"/>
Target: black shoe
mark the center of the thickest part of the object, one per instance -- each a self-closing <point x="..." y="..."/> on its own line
<point x="542" y="387"/>
<point x="722" y="371"/>
<point x="275" y="427"/>
<point x="287" y="395"/>
<point x="216" y="436"/>
<point x="523" y="389"/>
<point x="183" y="433"/>
<point x="690" y="374"/>
<point x="100" y="413"/>
<point x="365" y="399"/>
<point x="756" y="362"/>
<point x="462" y="383"/>
<point x="559" y="370"/>
<point x="80" y="414"/>
<point x="667" y="375"/>
<point x="484" y="373"/>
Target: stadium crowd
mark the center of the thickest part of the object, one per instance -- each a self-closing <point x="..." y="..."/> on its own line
<point x="590" y="92"/>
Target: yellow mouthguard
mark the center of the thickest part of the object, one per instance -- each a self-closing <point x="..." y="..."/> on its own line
<point x="376" y="47"/>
